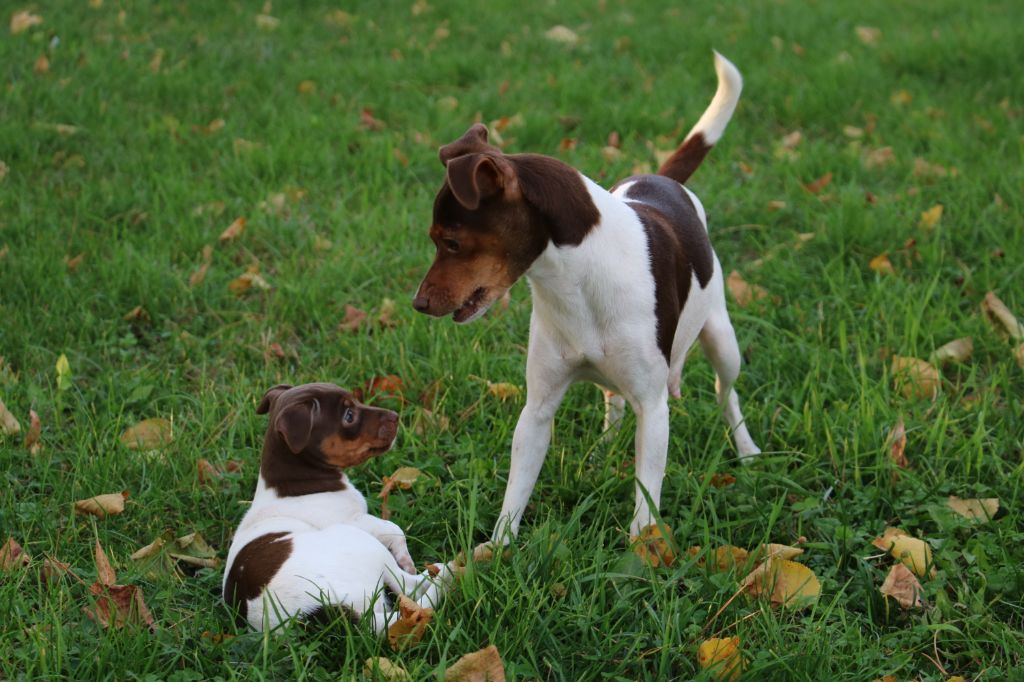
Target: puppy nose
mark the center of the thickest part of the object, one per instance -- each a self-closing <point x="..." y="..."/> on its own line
<point x="388" y="425"/>
<point x="421" y="303"/>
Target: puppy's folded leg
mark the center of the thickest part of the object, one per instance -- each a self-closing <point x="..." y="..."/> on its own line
<point x="719" y="343"/>
<point x="391" y="536"/>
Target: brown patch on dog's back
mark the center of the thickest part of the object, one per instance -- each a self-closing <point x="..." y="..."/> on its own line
<point x="253" y="568"/>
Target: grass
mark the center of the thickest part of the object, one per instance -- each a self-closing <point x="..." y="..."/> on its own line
<point x="141" y="83"/>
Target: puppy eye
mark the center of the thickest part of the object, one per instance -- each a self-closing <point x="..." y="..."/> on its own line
<point x="349" y="416"/>
<point x="451" y="245"/>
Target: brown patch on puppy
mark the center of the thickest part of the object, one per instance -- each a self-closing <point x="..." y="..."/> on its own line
<point x="315" y="432"/>
<point x="253" y="568"/>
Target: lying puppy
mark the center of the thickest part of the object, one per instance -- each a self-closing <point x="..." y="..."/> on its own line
<point x="307" y="542"/>
<point x="623" y="283"/>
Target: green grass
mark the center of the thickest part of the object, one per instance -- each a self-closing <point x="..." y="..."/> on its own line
<point x="570" y="603"/>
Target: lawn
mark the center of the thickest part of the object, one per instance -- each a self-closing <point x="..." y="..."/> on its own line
<point x="132" y="134"/>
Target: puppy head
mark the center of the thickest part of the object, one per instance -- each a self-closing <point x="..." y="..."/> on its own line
<point x="324" y="426"/>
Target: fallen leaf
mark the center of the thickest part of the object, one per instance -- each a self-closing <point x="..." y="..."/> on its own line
<point x="387" y="386"/>
<point x="148" y="434"/>
<point x="898" y="445"/>
<point x="53" y="569"/>
<point x="729" y="557"/>
<point x="104" y="571"/>
<point x="955" y="351"/>
<point x="853" y="132"/>
<point x="792" y="140"/>
<point x="246" y="281"/>
<point x="135" y="314"/>
<point x="403" y="478"/>
<point x="652" y="547"/>
<point x="369" y="122"/>
<point x="882" y="265"/>
<point x="102" y="505"/>
<point x="784" y="582"/>
<point x="9" y="424"/>
<point x="384" y="668"/>
<point x="744" y="293"/>
<point x="974" y="509"/>
<point x="480" y="666"/>
<point x="562" y="34"/>
<point x="63" y="373"/>
<point x="41" y="66"/>
<point x="815" y="186"/>
<point x="12" y="556"/>
<point x="903" y="586"/>
<point x="914" y="378"/>
<point x="869" y="35"/>
<point x="931" y="217"/>
<point x="73" y="263"/>
<point x="194" y="550"/>
<point x="234" y="230"/>
<point x="914" y="553"/>
<point x="306" y="87"/>
<point x="901" y="97"/>
<point x="774" y="550"/>
<point x="23" y="20"/>
<point x="504" y="391"/>
<point x="721" y="480"/>
<point x="32" y="443"/>
<point x="207" y="472"/>
<point x="879" y="158"/>
<point x="411" y="624"/>
<point x="567" y="144"/>
<point x="197" y="277"/>
<point x="1001" y="318"/>
<point x="721" y="657"/>
<point x="386" y="317"/>
<point x="354" y="318"/>
<point x="925" y="169"/>
<point x="213" y="126"/>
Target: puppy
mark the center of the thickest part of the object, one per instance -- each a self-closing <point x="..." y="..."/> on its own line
<point x="307" y="541"/>
<point x="623" y="283"/>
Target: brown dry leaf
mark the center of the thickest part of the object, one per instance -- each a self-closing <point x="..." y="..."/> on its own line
<point x="924" y="169"/>
<point x="32" y="443"/>
<point x="869" y="35"/>
<point x="119" y="606"/>
<point x="931" y="217"/>
<point x="504" y="391"/>
<point x="213" y="126"/>
<point x="12" y="556"/>
<point x="148" y="434"/>
<point x="567" y="144"/>
<point x="1001" y="318"/>
<point x="135" y="314"/>
<point x="785" y="582"/>
<point x="53" y="569"/>
<point x="369" y="122"/>
<point x="74" y="263"/>
<point x="234" y="230"/>
<point x="815" y="186"/>
<point x="42" y="65"/>
<point x="384" y="668"/>
<point x="774" y="550"/>
<point x="914" y="378"/>
<point x="480" y="666"/>
<point x="250" y="279"/>
<point x="354" y="318"/>
<point x="955" y="351"/>
<point x="903" y="586"/>
<point x="403" y="478"/>
<point x="730" y="557"/>
<point x="975" y="509"/>
<point x="197" y="277"/>
<point x="721" y="657"/>
<point x="562" y="34"/>
<point x="411" y="624"/>
<point x="915" y="553"/>
<point x="721" y="480"/>
<point x="9" y="424"/>
<point x="102" y="505"/>
<point x="744" y="293"/>
<point x="24" y="20"/>
<point x="387" y="386"/>
<point x="882" y="265"/>
<point x="386" y="317"/>
<point x="898" y="445"/>
<point x="879" y="158"/>
<point x="654" y="548"/>
<point x="792" y="140"/>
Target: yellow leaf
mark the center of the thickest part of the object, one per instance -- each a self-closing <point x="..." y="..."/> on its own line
<point x="148" y="434"/>
<point x="102" y="505"/>
<point x="234" y="230"/>
<point x="23" y="20"/>
<point x="404" y="477"/>
<point x="882" y="265"/>
<point x="914" y="553"/>
<point x="63" y="373"/>
<point x="503" y="391"/>
<point x="955" y="351"/>
<point x="307" y="87"/>
<point x="785" y="582"/>
<point x="654" y="548"/>
<point x="384" y="668"/>
<point x="931" y="217"/>
<point x="9" y="425"/>
<point x="721" y="657"/>
<point x="902" y="585"/>
<point x="411" y="624"/>
<point x="915" y="379"/>
<point x="480" y="666"/>
<point x="1001" y="318"/>
<point x="776" y="551"/>
<point x="974" y="509"/>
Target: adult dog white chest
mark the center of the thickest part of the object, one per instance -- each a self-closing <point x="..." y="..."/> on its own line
<point x="623" y="282"/>
<point x="307" y="544"/>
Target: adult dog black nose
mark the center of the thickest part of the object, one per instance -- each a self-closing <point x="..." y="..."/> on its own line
<point x="421" y="303"/>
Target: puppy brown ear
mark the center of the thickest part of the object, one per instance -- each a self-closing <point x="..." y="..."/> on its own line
<point x="473" y="141"/>
<point x="474" y="177"/>
<point x="270" y="397"/>
<point x="295" y="425"/>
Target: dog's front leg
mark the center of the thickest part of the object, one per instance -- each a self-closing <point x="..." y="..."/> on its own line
<point x="391" y="536"/>
<point x="651" y="454"/>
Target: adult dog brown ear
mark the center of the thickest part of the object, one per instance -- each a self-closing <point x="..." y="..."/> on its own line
<point x="295" y="425"/>
<point x="473" y="177"/>
<point x="270" y="397"/>
<point x="473" y="141"/>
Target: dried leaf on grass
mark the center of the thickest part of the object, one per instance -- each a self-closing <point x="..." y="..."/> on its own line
<point x="9" y="424"/>
<point x="386" y="317"/>
<point x="958" y="350"/>
<point x="898" y="445"/>
<point x="914" y="378"/>
<point x="1004" y="321"/>
<point x="116" y="606"/>
<point x="411" y="624"/>
<point x="32" y="443"/>
<point x="163" y="555"/>
<point x="384" y="668"/>
<point x="562" y="34"/>
<point x="654" y="548"/>
<point x="148" y="434"/>
<point x="879" y="158"/>
<point x="784" y="582"/>
<point x="480" y="666"/>
<point x="742" y="292"/>
<point x="721" y="657"/>
<point x="815" y="186"/>
<point x="251" y="279"/>
<point x="234" y="230"/>
<point x="403" y="478"/>
<point x="12" y="556"/>
<point x="24" y="20"/>
<point x="903" y="586"/>
<point x="387" y="386"/>
<point x="981" y="509"/>
<point x="503" y="391"/>
<point x="102" y="505"/>
<point x="206" y="472"/>
<point x="931" y="217"/>
<point x="914" y="553"/>
<point x="354" y="318"/>
<point x="882" y="265"/>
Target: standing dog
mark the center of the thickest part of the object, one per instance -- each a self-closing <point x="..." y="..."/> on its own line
<point x="307" y="542"/>
<point x="623" y="283"/>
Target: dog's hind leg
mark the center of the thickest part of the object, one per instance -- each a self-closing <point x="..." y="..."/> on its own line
<point x="718" y="340"/>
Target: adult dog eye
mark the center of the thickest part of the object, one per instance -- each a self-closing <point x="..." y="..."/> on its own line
<point x="451" y="245"/>
<point x="349" y="416"/>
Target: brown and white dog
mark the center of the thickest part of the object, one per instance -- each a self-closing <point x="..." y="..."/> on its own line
<point x="307" y="541"/>
<point x="623" y="283"/>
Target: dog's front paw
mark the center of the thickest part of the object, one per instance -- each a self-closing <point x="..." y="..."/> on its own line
<point x="405" y="562"/>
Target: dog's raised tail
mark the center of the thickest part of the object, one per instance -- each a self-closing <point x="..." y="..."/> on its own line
<point x="703" y="136"/>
